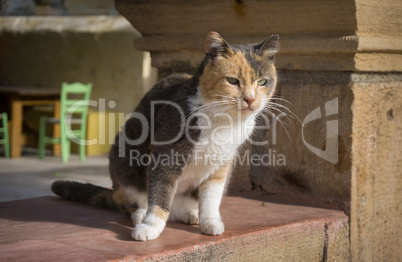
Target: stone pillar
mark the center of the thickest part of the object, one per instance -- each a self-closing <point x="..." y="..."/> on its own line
<point x="340" y="68"/>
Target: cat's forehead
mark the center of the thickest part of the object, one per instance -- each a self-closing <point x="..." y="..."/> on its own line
<point x="243" y="60"/>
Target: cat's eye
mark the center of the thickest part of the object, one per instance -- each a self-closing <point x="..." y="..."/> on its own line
<point x="232" y="80"/>
<point x="262" y="82"/>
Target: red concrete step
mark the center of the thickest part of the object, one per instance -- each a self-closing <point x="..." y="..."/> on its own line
<point x="52" y="229"/>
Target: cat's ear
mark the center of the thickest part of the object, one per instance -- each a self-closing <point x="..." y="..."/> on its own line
<point x="215" y="44"/>
<point x="268" y="48"/>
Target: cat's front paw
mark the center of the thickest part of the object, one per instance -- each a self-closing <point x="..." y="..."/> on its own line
<point x="144" y="232"/>
<point x="212" y="227"/>
<point x="138" y="216"/>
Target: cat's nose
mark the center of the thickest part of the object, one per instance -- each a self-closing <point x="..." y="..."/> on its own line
<point x="249" y="100"/>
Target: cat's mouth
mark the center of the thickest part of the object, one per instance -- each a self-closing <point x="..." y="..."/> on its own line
<point x="248" y="109"/>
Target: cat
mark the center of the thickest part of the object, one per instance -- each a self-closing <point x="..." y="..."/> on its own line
<point x="199" y="119"/>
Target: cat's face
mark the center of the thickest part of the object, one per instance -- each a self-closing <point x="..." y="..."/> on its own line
<point x="238" y="78"/>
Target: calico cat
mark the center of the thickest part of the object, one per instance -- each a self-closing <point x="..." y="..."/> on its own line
<point x="198" y="121"/>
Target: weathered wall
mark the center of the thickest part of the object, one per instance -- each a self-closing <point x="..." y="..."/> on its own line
<point x="377" y="168"/>
<point x="305" y="171"/>
<point x="46" y="51"/>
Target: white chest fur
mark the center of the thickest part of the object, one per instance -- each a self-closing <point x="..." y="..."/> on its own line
<point x="218" y="143"/>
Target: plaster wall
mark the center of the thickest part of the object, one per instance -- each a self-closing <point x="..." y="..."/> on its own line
<point x="46" y="51"/>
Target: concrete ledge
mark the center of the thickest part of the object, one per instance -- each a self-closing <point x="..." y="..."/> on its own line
<point x="52" y="229"/>
<point x="290" y="44"/>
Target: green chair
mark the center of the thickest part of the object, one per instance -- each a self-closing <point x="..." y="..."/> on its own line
<point x="4" y="134"/>
<point x="72" y="112"/>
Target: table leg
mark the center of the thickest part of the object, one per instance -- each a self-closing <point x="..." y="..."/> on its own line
<point x="16" y="128"/>
<point x="56" y="128"/>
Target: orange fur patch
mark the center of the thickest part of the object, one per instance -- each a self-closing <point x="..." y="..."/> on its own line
<point x="159" y="212"/>
<point x="213" y="82"/>
<point x="218" y="177"/>
<point x="119" y="197"/>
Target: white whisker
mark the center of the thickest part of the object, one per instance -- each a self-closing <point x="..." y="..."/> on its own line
<point x="276" y="105"/>
<point x="279" y="120"/>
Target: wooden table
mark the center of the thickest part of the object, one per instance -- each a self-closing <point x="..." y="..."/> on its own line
<point x="29" y="96"/>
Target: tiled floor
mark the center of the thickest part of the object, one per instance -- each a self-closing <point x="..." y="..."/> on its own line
<point x="257" y="228"/>
<point x="53" y="229"/>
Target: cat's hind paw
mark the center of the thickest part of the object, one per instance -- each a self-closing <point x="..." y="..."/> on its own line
<point x="212" y="227"/>
<point x="138" y="216"/>
<point x="144" y="232"/>
<point x="193" y="217"/>
<point x="190" y="217"/>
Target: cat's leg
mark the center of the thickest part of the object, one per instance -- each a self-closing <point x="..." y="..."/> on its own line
<point x="211" y="192"/>
<point x="142" y="206"/>
<point x="161" y="190"/>
<point x="184" y="209"/>
<point x="133" y="201"/>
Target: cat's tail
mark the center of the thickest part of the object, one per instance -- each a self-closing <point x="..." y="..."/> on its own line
<point x="84" y="193"/>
